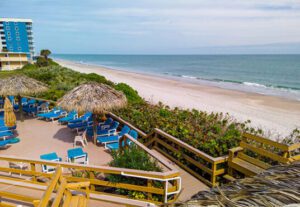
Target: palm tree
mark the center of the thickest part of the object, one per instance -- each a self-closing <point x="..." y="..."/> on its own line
<point x="45" y="53"/>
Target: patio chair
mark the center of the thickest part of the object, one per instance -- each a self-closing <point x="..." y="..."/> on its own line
<point x="71" y="116"/>
<point x="101" y="126"/>
<point x="4" y="144"/>
<point x="80" y="126"/>
<point x="50" y="157"/>
<point x="23" y="101"/>
<point x="112" y="130"/>
<point x="87" y="116"/>
<point x="5" y="134"/>
<point x="77" y="155"/>
<point x="53" y="115"/>
<point x="113" y="138"/>
<point x="81" y="139"/>
<point x="115" y="145"/>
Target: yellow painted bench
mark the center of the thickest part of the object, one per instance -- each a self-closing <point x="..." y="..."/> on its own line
<point x="256" y="154"/>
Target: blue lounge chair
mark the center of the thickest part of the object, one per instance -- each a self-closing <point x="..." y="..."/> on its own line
<point x="4" y="143"/>
<point x="5" y="134"/>
<point x="113" y="138"/>
<point x="87" y="116"/>
<point x="54" y="114"/>
<point x="50" y="157"/>
<point x="112" y="130"/>
<point x="71" y="116"/>
<point x="77" y="155"/>
<point x="115" y="145"/>
<point x="101" y="126"/>
<point x="23" y="101"/>
<point x="43" y="115"/>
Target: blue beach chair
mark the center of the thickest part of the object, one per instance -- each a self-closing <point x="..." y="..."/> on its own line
<point x="100" y="126"/>
<point x="4" y="144"/>
<point x="87" y="116"/>
<point x="112" y="130"/>
<point x="77" y="155"/>
<point x="115" y="145"/>
<point x="113" y="138"/>
<point x="70" y="117"/>
<point x="50" y="157"/>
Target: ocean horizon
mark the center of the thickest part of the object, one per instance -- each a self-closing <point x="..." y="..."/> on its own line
<point x="275" y="75"/>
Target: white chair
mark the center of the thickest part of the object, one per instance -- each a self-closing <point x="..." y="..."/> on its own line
<point x="81" y="139"/>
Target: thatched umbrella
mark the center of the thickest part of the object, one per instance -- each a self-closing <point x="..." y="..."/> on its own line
<point x="94" y="97"/>
<point x="9" y="115"/>
<point x="20" y="85"/>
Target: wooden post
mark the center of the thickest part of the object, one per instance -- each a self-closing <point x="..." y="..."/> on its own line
<point x="149" y="184"/>
<point x="32" y="167"/>
<point x="21" y="109"/>
<point x="213" y="175"/>
<point x="92" y="176"/>
<point x="95" y="127"/>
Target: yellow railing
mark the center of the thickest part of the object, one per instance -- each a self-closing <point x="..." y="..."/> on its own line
<point x="155" y="187"/>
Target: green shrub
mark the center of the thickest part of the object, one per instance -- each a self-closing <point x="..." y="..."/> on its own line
<point x="213" y="133"/>
<point x="131" y="94"/>
<point x="133" y="158"/>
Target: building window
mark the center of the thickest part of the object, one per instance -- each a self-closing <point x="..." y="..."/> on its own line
<point x="8" y="27"/>
<point x="19" y="48"/>
<point x="16" y="28"/>
<point x="6" y="55"/>
<point x="9" y="38"/>
<point x="16" y="23"/>
<point x="18" y="38"/>
<point x="8" y="33"/>
<point x="17" y="33"/>
<point x="7" y="23"/>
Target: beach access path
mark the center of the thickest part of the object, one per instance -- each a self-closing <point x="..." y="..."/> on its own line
<point x="273" y="114"/>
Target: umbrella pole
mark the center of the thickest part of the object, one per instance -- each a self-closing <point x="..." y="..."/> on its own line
<point x="21" y="108"/>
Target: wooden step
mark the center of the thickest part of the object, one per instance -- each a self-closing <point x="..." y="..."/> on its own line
<point x="229" y="178"/>
<point x="245" y="167"/>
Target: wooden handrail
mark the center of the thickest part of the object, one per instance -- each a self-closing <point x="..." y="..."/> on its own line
<point x="104" y="169"/>
<point x="203" y="155"/>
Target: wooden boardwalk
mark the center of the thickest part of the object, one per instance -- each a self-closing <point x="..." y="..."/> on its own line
<point x="190" y="185"/>
<point x="40" y="137"/>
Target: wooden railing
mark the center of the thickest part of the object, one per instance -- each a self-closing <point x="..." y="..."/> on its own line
<point x="261" y="152"/>
<point x="154" y="187"/>
<point x="201" y="165"/>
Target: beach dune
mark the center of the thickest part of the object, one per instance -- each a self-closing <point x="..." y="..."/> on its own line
<point x="273" y="114"/>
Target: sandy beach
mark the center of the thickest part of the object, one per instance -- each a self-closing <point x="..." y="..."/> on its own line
<point x="273" y="114"/>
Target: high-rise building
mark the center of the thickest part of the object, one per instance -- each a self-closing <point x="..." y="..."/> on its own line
<point x="16" y="36"/>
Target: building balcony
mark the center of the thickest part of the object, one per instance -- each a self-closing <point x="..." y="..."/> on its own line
<point x="13" y="59"/>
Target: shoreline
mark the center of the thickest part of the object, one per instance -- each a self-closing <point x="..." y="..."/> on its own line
<point x="276" y="114"/>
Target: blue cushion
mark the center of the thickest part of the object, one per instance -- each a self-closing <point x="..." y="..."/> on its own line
<point x="14" y="140"/>
<point x="113" y="146"/>
<point x="51" y="157"/>
<point x="108" y="138"/>
<point x="76" y="152"/>
<point x="3" y="143"/>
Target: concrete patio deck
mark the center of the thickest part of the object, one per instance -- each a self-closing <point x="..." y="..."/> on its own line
<point x="40" y="137"/>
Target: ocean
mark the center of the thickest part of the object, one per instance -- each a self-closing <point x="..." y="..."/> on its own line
<point x="276" y="75"/>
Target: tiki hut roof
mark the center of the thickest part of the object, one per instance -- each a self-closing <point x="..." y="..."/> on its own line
<point x="20" y="85"/>
<point x="94" y="97"/>
<point x="277" y="186"/>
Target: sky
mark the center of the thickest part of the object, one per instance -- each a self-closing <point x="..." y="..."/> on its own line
<point x="161" y="26"/>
